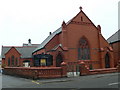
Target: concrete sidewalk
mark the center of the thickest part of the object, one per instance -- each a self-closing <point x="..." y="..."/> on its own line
<point x="68" y="79"/>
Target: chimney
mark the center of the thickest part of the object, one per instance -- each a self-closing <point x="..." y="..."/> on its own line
<point x="50" y="33"/>
<point x="80" y="8"/>
<point x="29" y="42"/>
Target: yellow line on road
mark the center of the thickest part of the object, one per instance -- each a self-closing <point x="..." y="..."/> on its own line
<point x="36" y="82"/>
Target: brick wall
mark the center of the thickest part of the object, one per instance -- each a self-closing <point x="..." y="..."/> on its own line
<point x="35" y="73"/>
<point x="116" y="48"/>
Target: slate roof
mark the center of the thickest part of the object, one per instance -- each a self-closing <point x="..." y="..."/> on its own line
<point x="42" y="45"/>
<point x="36" y="45"/>
<point x="26" y="51"/>
<point x="115" y="37"/>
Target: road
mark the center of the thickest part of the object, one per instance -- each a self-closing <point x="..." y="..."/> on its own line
<point x="91" y="81"/>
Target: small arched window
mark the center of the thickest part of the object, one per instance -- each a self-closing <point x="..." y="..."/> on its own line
<point x="81" y="18"/>
<point x="83" y="50"/>
<point x="12" y="60"/>
<point x="16" y="61"/>
<point x="8" y="61"/>
<point x="107" y="60"/>
<point x="59" y="60"/>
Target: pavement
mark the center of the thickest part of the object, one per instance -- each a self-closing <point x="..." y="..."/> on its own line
<point x="91" y="81"/>
<point x="65" y="79"/>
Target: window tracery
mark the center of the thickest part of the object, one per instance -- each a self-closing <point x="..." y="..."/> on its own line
<point x="83" y="50"/>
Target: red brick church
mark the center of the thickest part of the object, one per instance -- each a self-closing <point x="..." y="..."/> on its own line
<point x="75" y="41"/>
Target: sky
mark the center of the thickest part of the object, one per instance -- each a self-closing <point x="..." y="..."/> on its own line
<point x="34" y="19"/>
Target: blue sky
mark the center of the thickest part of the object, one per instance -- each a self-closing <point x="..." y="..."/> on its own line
<point x="34" y="19"/>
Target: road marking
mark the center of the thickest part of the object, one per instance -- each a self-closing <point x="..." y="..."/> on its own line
<point x="108" y="74"/>
<point x="110" y="84"/>
<point x="36" y="82"/>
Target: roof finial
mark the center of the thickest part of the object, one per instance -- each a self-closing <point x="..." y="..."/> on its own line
<point x="80" y="8"/>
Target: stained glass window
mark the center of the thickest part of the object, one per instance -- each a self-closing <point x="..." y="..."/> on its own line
<point x="83" y="50"/>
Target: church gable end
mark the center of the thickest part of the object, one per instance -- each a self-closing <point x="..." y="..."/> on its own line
<point x="81" y="18"/>
<point x="12" y="51"/>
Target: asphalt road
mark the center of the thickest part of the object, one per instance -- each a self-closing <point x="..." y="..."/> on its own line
<point x="91" y="81"/>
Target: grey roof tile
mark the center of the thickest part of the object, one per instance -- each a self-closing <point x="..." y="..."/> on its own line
<point x="26" y="52"/>
<point x="4" y="51"/>
<point x="42" y="45"/>
<point x="115" y="37"/>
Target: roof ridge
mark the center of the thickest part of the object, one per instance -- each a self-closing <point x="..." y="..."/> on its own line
<point x="11" y="46"/>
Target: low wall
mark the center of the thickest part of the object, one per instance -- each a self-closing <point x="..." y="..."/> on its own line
<point x="51" y="72"/>
<point x="102" y="71"/>
<point x="34" y="72"/>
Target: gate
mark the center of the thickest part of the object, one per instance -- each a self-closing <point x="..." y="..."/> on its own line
<point x="73" y="69"/>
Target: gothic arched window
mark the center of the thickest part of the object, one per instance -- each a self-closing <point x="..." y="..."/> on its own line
<point x="83" y="50"/>
<point x="107" y="61"/>
<point x="59" y="60"/>
<point x="8" y="61"/>
<point x="16" y="62"/>
<point x="81" y="18"/>
<point x="12" y="59"/>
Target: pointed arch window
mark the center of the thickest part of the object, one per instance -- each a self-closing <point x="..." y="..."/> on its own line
<point x="81" y="18"/>
<point x="8" y="61"/>
<point x="83" y="50"/>
<point x="107" y="60"/>
<point x="59" y="60"/>
<point x="16" y="61"/>
<point x="12" y="59"/>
